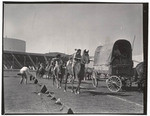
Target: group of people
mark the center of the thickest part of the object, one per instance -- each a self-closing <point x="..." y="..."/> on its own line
<point x="55" y="62"/>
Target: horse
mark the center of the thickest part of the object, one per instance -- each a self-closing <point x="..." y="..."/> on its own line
<point x="49" y="70"/>
<point x="46" y="70"/>
<point x="139" y="75"/>
<point x="41" y="70"/>
<point x="77" y="72"/>
<point x="57" y="72"/>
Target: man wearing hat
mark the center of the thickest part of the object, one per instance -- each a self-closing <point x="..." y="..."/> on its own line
<point x="76" y="57"/>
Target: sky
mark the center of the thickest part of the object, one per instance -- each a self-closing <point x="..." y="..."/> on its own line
<point x="65" y="27"/>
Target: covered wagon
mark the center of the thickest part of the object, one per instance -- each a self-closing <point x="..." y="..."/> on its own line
<point x="115" y="62"/>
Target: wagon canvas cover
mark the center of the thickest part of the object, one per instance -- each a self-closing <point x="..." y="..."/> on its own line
<point x="104" y="55"/>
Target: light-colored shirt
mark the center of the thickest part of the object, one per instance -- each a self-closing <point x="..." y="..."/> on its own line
<point x="76" y="56"/>
<point x="69" y="62"/>
<point x="25" y="70"/>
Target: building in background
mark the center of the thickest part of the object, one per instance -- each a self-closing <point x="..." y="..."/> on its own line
<point x="15" y="45"/>
<point x="15" y="55"/>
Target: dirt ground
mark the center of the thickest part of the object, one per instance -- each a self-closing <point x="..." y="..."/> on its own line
<point x="24" y="99"/>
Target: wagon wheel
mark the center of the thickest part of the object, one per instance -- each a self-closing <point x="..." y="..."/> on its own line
<point x="114" y="83"/>
<point x="94" y="79"/>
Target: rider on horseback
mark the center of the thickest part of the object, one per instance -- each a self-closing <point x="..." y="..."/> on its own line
<point x="58" y="62"/>
<point x="76" y="57"/>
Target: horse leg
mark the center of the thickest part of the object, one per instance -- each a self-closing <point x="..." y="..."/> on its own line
<point x="66" y="78"/>
<point x="57" y="77"/>
<point x="85" y="77"/>
<point x="49" y="75"/>
<point x="54" y="80"/>
<point x="72" y="85"/>
<point x="78" y="87"/>
<point x="59" y="80"/>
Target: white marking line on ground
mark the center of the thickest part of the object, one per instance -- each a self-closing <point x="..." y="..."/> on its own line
<point x="125" y="100"/>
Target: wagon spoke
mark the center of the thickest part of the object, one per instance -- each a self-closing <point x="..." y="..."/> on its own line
<point x="114" y="84"/>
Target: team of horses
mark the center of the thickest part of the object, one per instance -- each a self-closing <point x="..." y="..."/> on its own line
<point x="79" y="72"/>
<point x="66" y="71"/>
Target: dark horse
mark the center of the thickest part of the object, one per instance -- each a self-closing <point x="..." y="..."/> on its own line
<point x="139" y="75"/>
<point x="78" y="71"/>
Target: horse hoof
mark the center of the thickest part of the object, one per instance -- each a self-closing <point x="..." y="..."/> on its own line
<point x="78" y="92"/>
<point x="72" y="91"/>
